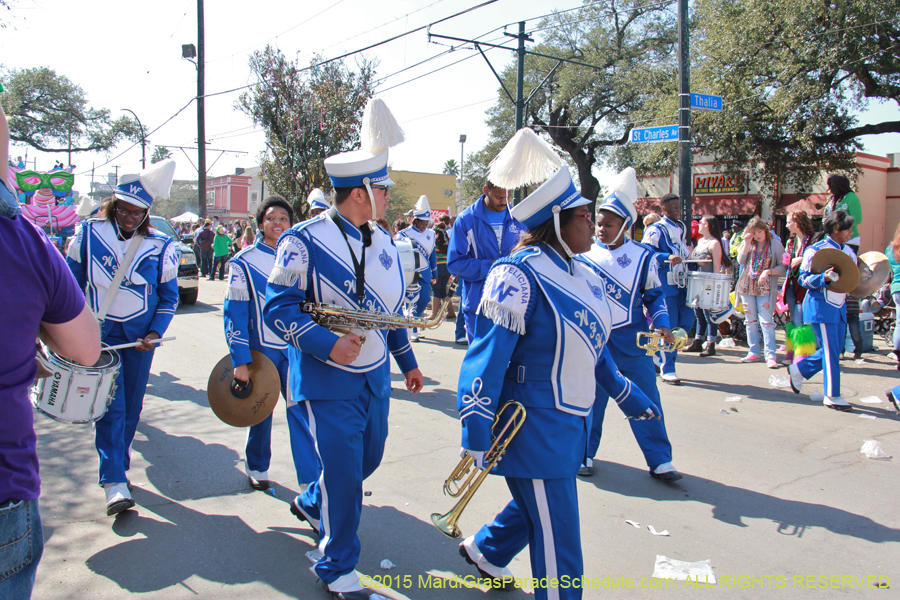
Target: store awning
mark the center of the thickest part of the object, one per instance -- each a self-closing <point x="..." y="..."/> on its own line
<point x="707" y="205"/>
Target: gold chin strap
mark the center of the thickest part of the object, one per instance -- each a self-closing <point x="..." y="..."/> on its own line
<point x="556" y="211"/>
<point x="368" y="183"/>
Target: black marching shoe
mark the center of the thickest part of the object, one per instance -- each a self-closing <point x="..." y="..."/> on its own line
<point x="696" y="346"/>
<point x="503" y="587"/>
<point x="709" y="349"/>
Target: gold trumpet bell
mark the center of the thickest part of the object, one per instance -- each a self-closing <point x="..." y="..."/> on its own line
<point x="656" y="343"/>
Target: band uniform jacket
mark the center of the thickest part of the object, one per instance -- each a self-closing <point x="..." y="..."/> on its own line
<point x="821" y="305"/>
<point x="667" y="237"/>
<point x="425" y="242"/>
<point x="245" y="298"/>
<point x="313" y="264"/>
<point x="632" y="284"/>
<point x="547" y="318"/>
<point x="148" y="295"/>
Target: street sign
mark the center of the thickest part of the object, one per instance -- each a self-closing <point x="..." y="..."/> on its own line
<point x="666" y="133"/>
<point x="706" y="102"/>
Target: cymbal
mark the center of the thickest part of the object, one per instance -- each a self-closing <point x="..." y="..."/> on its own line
<point x="843" y="265"/>
<point x="248" y="407"/>
<point x="874" y="270"/>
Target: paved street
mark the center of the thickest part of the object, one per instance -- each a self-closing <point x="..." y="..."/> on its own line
<point x="774" y="489"/>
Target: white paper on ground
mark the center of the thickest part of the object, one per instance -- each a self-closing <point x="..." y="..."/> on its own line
<point x="733" y="398"/>
<point x="655" y="532"/>
<point x="873" y="449"/>
<point x="726" y="343"/>
<point x="633" y="523"/>
<point x="871" y="400"/>
<point x="779" y="381"/>
<point x="387" y="564"/>
<point x="865" y="416"/>
<point x="817" y="397"/>
<point x="723" y="412"/>
<point x="669" y="568"/>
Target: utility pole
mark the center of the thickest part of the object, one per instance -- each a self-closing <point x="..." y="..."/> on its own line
<point x="684" y="113"/>
<point x="520" y="83"/>
<point x="201" y="115"/>
<point x="143" y="139"/>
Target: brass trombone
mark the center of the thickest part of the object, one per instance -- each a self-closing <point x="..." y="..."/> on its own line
<point x="473" y="478"/>
<point x="656" y="342"/>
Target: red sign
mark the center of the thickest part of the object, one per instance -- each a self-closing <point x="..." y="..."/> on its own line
<point x="718" y="183"/>
<point x="436" y="213"/>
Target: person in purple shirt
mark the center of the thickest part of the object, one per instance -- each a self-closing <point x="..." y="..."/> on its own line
<point x="39" y="293"/>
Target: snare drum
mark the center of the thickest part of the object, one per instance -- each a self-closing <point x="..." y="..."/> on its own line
<point x="74" y="393"/>
<point x="708" y="291"/>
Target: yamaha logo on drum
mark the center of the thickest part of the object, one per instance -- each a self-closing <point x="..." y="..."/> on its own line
<point x="54" y="389"/>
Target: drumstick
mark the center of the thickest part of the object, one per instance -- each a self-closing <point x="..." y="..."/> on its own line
<point x="136" y="344"/>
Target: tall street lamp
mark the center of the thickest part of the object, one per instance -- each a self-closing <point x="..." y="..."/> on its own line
<point x="143" y="139"/>
<point x="462" y="147"/>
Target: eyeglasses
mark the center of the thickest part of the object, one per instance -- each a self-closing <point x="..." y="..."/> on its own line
<point x="134" y="214"/>
<point x="380" y="187"/>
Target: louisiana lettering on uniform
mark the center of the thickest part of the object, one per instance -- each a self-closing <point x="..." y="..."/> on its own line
<point x="507" y="293"/>
<point x="291" y="262"/>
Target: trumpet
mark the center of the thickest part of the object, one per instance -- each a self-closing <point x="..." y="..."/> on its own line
<point x="344" y="320"/>
<point x="657" y="343"/>
<point x="465" y="480"/>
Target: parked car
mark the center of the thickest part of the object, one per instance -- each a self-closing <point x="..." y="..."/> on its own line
<point x="188" y="275"/>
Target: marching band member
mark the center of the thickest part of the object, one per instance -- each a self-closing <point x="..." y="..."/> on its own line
<point x="632" y="284"/>
<point x="317" y="203"/>
<point x="342" y="385"/>
<point x="424" y="240"/>
<point x="667" y="236"/>
<point x="141" y="309"/>
<point x="545" y="315"/>
<point x="826" y="311"/>
<point x="246" y="331"/>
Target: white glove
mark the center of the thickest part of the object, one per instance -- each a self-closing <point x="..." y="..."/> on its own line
<point x="478" y="455"/>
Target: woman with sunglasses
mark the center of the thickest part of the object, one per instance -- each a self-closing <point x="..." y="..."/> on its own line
<point x="140" y="311"/>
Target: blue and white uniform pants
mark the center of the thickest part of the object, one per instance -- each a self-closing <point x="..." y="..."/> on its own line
<point x="424" y="298"/>
<point x="680" y="315"/>
<point x="259" y="437"/>
<point x="349" y="437"/>
<point x="650" y="434"/>
<point x="543" y="515"/>
<point x="114" y="432"/>
<point x="826" y="358"/>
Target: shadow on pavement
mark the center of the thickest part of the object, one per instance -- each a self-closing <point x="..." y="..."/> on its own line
<point x="183" y="542"/>
<point x="733" y="504"/>
<point x="165" y="385"/>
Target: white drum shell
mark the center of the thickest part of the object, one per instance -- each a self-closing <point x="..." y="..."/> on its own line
<point x="75" y="393"/>
<point x="709" y="291"/>
<point x="409" y="260"/>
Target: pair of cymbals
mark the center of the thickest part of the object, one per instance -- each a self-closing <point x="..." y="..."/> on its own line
<point x="244" y="406"/>
<point x="861" y="281"/>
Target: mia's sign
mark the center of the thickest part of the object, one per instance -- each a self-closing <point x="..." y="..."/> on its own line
<point x="718" y="183"/>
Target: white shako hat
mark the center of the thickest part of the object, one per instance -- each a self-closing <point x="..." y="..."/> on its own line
<point x="154" y="182"/>
<point x="422" y="210"/>
<point x="316" y="199"/>
<point x="368" y="166"/>
<point x="620" y="200"/>
<point x="527" y="159"/>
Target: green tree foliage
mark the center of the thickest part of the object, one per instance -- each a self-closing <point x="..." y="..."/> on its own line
<point x="401" y="200"/>
<point x="451" y="167"/>
<point x="585" y="110"/>
<point x="49" y="112"/>
<point x="308" y="115"/>
<point x="182" y="198"/>
<point x="160" y="153"/>
<point x="792" y="75"/>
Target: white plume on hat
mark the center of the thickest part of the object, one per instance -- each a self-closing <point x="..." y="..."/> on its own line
<point x="316" y="194"/>
<point x="157" y="179"/>
<point x="85" y="207"/>
<point x="525" y="160"/>
<point x="380" y="129"/>
<point x="625" y="182"/>
<point x="422" y="205"/>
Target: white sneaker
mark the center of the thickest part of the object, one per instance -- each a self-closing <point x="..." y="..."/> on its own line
<point x="413" y="336"/>
<point x="118" y="498"/>
<point x="796" y="378"/>
<point x="837" y="403"/>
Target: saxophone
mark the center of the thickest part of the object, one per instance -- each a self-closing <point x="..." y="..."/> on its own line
<point x="344" y="320"/>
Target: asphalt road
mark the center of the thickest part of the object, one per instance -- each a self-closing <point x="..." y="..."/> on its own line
<point x="776" y="494"/>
